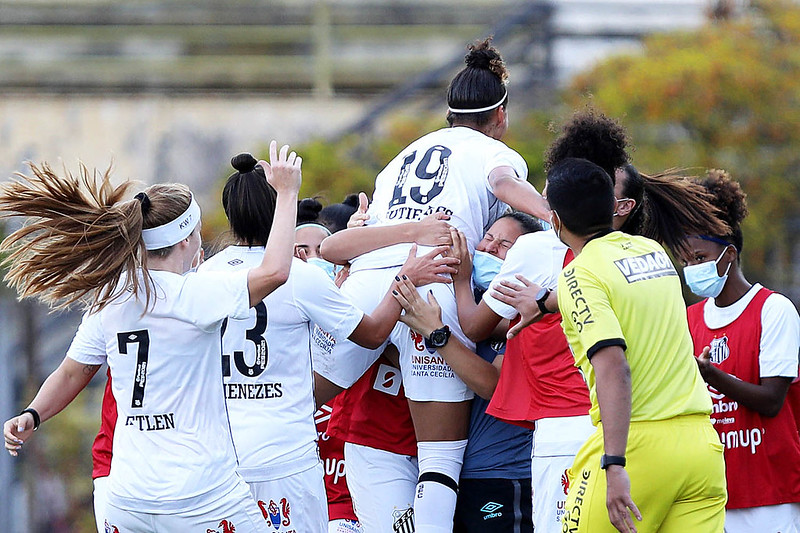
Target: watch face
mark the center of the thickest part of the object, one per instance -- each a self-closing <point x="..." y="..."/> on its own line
<point x="438" y="338"/>
<point x="541" y="294"/>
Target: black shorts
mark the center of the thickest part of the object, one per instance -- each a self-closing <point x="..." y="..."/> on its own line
<point x="488" y="505"/>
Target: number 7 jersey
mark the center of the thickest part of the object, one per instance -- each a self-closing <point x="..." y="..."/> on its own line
<point x="172" y="446"/>
<point x="444" y="171"/>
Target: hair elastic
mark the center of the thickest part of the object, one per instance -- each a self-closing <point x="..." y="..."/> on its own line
<point x="481" y="109"/>
<point x="144" y="200"/>
<point x="313" y="225"/>
<point x="172" y="232"/>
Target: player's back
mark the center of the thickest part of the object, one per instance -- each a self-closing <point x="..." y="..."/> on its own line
<point x="630" y="280"/>
<point x="444" y="171"/>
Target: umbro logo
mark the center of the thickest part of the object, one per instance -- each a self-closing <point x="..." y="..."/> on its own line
<point x="234" y="262"/>
<point x="492" y="510"/>
<point x="491" y="507"/>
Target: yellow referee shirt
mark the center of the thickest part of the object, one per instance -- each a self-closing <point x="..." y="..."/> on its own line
<point x="623" y="290"/>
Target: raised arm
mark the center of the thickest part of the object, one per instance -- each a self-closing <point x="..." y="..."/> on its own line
<point x="283" y="173"/>
<point x="518" y="193"/>
<point x="58" y="390"/>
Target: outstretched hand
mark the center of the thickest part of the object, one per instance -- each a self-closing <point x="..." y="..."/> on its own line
<point x="421" y="316"/>
<point x="432" y="267"/>
<point x="522" y="297"/>
<point x="283" y="170"/>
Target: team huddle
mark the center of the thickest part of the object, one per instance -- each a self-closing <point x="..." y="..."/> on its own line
<point x="459" y="353"/>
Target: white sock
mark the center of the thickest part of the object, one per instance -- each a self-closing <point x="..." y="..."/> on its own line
<point x="435" y="499"/>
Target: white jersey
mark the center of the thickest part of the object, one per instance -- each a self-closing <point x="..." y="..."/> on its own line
<point x="539" y="256"/>
<point x="266" y="365"/>
<point x="780" y="330"/>
<point x="448" y="171"/>
<point x="172" y="446"/>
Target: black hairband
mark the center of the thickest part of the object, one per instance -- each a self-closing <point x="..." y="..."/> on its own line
<point x="145" y="201"/>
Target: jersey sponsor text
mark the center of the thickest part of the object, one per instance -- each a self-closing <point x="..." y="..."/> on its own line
<point x="742" y="438"/>
<point x="647" y="266"/>
<point x="581" y="315"/>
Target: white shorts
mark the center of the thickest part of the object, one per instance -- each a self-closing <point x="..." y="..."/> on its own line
<point x="236" y="511"/>
<point x="784" y="518"/>
<point x="555" y="443"/>
<point x="426" y="377"/>
<point x="297" y="502"/>
<point x="100" y="499"/>
<point x="343" y="525"/>
<point x="382" y="486"/>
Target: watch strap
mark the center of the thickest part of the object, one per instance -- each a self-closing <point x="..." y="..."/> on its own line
<point x="610" y="460"/>
<point x="540" y="301"/>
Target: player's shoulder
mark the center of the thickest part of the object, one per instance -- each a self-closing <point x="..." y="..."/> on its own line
<point x="539" y="240"/>
<point x="230" y="259"/>
<point x="778" y="303"/>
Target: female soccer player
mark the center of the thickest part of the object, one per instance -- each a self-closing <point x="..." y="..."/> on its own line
<point x="467" y="173"/>
<point x="266" y="357"/>
<point x="747" y="338"/>
<point x="173" y="465"/>
<point x="381" y="449"/>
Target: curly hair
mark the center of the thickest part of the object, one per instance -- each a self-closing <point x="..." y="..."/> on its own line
<point x="590" y="135"/>
<point x="731" y="201"/>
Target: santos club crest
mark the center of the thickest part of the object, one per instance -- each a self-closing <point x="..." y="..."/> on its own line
<point x="719" y="350"/>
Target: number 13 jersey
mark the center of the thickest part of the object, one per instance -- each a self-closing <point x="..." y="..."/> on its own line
<point x="445" y="171"/>
<point x="266" y="364"/>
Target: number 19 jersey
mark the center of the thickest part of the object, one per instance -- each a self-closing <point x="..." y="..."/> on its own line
<point x="266" y="364"/>
<point x="444" y="171"/>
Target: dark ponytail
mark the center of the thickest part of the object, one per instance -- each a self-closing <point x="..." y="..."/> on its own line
<point x="481" y="84"/>
<point x="249" y="201"/>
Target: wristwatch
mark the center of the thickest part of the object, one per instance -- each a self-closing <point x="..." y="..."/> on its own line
<point x="608" y="460"/>
<point x="438" y="337"/>
<point x="541" y="298"/>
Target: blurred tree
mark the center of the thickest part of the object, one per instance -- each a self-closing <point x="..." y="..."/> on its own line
<point x="727" y="96"/>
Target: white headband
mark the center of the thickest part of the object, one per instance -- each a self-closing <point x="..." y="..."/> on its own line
<point x="313" y="225"/>
<point x="481" y="109"/>
<point x="172" y="232"/>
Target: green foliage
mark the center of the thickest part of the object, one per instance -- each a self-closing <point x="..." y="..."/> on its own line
<point x="725" y="96"/>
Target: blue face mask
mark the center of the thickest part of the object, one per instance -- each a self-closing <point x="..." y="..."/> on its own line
<point x="484" y="268"/>
<point x="328" y="267"/>
<point x="703" y="279"/>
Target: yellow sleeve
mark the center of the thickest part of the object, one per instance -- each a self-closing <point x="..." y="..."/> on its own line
<point x="588" y="318"/>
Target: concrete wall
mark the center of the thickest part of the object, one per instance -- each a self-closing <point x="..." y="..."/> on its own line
<point x="188" y="139"/>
